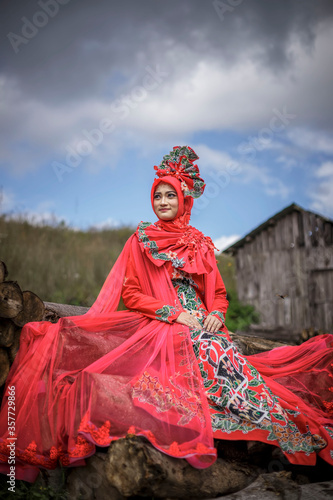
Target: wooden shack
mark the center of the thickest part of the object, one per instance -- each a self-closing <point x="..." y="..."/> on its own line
<point x="284" y="269"/>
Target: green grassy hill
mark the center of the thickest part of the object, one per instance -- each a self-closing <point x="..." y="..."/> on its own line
<point x="67" y="266"/>
<point x="58" y="263"/>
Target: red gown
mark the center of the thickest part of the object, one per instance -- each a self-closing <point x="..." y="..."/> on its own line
<point x="91" y="379"/>
<point x="243" y="403"/>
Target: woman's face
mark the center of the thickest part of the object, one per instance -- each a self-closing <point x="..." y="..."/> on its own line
<point x="165" y="201"/>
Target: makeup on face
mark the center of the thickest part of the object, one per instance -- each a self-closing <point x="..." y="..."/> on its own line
<point x="165" y="201"/>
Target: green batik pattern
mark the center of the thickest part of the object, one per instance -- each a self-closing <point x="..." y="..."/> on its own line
<point x="219" y="314"/>
<point x="179" y="161"/>
<point x="186" y="290"/>
<point x="240" y="400"/>
<point x="165" y="313"/>
<point x="153" y="248"/>
<point x="238" y="397"/>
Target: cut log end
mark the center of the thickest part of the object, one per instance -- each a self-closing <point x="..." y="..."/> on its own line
<point x="33" y="309"/>
<point x="11" y="299"/>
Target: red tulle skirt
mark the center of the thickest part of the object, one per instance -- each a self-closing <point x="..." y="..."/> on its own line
<point x="86" y="381"/>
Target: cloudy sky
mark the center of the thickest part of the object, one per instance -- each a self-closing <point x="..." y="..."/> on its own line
<point x="94" y="93"/>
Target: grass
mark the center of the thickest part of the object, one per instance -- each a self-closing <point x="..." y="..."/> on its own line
<point x="67" y="266"/>
<point x="57" y="263"/>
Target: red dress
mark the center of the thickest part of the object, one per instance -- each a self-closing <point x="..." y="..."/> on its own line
<point x="243" y="403"/>
<point x="91" y="379"/>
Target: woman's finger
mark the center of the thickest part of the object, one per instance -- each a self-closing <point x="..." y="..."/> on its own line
<point x="209" y="321"/>
<point x="212" y="324"/>
<point x="191" y="321"/>
<point x="209" y="324"/>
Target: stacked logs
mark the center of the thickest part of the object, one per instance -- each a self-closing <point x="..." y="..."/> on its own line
<point x="308" y="333"/>
<point x="16" y="309"/>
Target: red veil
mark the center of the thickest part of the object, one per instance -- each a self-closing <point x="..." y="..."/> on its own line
<point x="76" y="383"/>
<point x="91" y="379"/>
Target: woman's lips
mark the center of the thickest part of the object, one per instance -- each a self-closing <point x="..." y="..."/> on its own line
<point x="164" y="209"/>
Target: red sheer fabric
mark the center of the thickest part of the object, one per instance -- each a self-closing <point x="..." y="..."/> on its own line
<point x="90" y="379"/>
<point x="303" y="377"/>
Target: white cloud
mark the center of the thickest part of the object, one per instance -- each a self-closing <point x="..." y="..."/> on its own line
<point x="40" y="216"/>
<point x="37" y="218"/>
<point x="222" y="169"/>
<point x="224" y="242"/>
<point x="311" y="140"/>
<point x="215" y="95"/>
<point x="325" y="170"/>
<point x="207" y="94"/>
<point x="109" y="223"/>
<point x="7" y="200"/>
<point x="322" y="194"/>
<point x="287" y="162"/>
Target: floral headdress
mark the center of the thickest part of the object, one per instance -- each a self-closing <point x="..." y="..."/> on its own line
<point x="179" y="163"/>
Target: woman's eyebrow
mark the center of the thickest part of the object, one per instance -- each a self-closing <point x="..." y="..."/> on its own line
<point x="167" y="192"/>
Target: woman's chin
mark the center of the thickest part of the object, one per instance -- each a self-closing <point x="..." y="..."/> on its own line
<point x="166" y="217"/>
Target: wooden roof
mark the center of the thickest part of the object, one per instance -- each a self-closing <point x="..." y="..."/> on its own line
<point x="271" y="222"/>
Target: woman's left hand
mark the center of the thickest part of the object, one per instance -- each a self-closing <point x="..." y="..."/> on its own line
<point x="212" y="324"/>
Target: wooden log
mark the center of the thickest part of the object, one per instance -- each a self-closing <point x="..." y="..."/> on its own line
<point x="3" y="271"/>
<point x="33" y="309"/>
<point x="4" y="365"/>
<point x="304" y="335"/>
<point x="249" y="344"/>
<point x="7" y="330"/>
<point x="55" y="311"/>
<point x="312" y="332"/>
<point x="11" y="299"/>
<point x="135" y="468"/>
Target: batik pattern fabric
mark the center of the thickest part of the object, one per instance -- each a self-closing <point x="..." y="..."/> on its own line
<point x="241" y="403"/>
<point x="180" y="164"/>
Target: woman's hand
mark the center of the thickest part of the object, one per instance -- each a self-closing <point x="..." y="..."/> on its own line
<point x="212" y="324"/>
<point x="189" y="320"/>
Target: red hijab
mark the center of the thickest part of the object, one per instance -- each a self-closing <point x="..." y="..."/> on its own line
<point x="175" y="240"/>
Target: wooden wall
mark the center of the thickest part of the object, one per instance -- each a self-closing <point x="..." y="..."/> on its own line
<point x="293" y="258"/>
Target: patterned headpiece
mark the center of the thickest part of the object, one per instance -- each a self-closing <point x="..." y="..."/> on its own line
<point x="179" y="163"/>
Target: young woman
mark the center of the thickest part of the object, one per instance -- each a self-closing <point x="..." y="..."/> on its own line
<point x="165" y="369"/>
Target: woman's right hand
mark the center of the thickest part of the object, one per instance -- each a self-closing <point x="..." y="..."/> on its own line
<point x="189" y="320"/>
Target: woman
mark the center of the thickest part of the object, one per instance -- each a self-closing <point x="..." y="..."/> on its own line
<point x="166" y="368"/>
